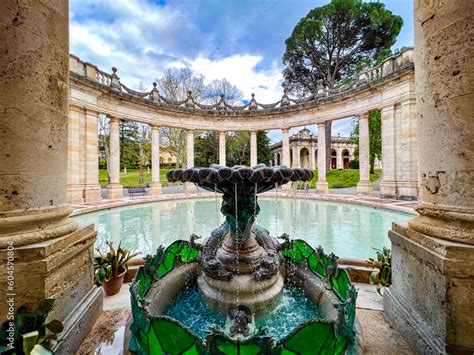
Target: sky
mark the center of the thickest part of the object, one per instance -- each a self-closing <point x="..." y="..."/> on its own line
<point x="239" y="40"/>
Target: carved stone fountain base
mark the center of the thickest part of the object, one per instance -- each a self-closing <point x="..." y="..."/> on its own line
<point x="259" y="296"/>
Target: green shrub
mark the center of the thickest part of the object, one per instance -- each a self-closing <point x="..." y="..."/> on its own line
<point x="354" y="164"/>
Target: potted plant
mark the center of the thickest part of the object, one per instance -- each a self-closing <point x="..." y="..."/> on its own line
<point x="110" y="269"/>
<point x="382" y="275"/>
<point x="29" y="332"/>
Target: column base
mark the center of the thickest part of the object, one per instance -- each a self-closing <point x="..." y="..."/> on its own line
<point x="155" y="189"/>
<point x="61" y="269"/>
<point x="407" y="190"/>
<point x="190" y="188"/>
<point x="430" y="300"/>
<point x="92" y="192"/>
<point x="322" y="187"/>
<point x="114" y="191"/>
<point x="364" y="187"/>
<point x="388" y="189"/>
<point x="79" y="322"/>
<point x="75" y="193"/>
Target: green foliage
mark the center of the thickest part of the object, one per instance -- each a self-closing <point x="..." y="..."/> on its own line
<point x="354" y="164"/>
<point x="32" y="333"/>
<point x="107" y="266"/>
<point x="237" y="148"/>
<point x="375" y="138"/>
<point x="382" y="277"/>
<point x="327" y="44"/>
<point x="131" y="177"/>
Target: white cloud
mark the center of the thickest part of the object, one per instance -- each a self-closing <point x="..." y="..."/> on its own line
<point x="241" y="71"/>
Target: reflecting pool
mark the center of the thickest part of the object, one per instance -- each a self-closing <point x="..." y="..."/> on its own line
<point x="347" y="230"/>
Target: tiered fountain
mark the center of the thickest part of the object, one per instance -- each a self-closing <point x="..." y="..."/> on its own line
<point x="241" y="272"/>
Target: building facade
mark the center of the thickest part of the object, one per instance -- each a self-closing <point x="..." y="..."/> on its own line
<point x="304" y="151"/>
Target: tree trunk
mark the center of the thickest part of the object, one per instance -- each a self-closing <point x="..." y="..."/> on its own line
<point x="372" y="165"/>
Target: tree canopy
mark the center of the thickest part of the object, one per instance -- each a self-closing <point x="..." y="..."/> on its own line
<point x="330" y="40"/>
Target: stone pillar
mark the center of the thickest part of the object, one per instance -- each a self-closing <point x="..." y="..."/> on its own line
<point x="190" y="187"/>
<point x="253" y="148"/>
<point x="312" y="165"/>
<point x="285" y="145"/>
<point x="91" y="186"/>
<point x="74" y="186"/>
<point x="322" y="186"/>
<point x="222" y="154"/>
<point x="407" y="186"/>
<point x="52" y="257"/>
<point x="364" y="187"/>
<point x="339" y="158"/>
<point x="155" y="185"/>
<point x="296" y="156"/>
<point x="388" y="186"/>
<point x="430" y="301"/>
<point x="114" y="189"/>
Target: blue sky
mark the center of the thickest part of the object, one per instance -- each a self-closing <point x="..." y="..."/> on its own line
<point x="240" y="40"/>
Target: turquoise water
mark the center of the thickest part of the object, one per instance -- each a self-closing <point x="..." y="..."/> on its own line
<point x="190" y="309"/>
<point x="345" y="229"/>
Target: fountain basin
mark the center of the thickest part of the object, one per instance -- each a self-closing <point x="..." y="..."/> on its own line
<point x="162" y="277"/>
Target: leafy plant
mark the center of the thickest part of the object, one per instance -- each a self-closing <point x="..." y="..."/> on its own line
<point x="382" y="276"/>
<point x="107" y="266"/>
<point x="29" y="332"/>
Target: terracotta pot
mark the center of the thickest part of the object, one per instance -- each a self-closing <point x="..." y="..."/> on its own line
<point x="113" y="286"/>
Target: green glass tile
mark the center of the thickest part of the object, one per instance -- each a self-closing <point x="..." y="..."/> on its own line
<point x="173" y="338"/>
<point x="340" y="284"/>
<point x="315" y="266"/>
<point x="341" y="345"/>
<point x="310" y="338"/>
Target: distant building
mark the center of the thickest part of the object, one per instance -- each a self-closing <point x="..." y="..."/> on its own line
<point x="304" y="151"/>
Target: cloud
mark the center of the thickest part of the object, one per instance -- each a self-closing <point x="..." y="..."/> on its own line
<point x="240" y="70"/>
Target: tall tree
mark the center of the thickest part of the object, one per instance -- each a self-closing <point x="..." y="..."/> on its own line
<point x="326" y="45"/>
<point x="375" y="138"/>
<point x="264" y="154"/>
<point x="206" y="147"/>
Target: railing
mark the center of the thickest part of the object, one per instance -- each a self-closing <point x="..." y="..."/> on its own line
<point x="387" y="68"/>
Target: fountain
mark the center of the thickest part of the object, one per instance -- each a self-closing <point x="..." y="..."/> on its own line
<point x="241" y="272"/>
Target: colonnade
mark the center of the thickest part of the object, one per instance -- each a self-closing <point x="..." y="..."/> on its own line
<point x="399" y="163"/>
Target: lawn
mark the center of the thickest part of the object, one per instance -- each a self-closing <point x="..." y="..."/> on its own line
<point x="335" y="178"/>
<point x="130" y="179"/>
<point x="343" y="178"/>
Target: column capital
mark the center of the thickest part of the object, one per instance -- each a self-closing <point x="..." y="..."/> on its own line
<point x="285" y="130"/>
<point x="155" y="127"/>
<point x="364" y="115"/>
<point x="388" y="108"/>
<point x="222" y="133"/>
<point x="91" y="111"/>
<point x="113" y="119"/>
<point x="322" y="124"/>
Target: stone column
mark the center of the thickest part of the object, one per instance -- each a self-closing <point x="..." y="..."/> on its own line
<point x="407" y="186"/>
<point x="91" y="185"/>
<point x="155" y="161"/>
<point x="285" y="145"/>
<point x="322" y="186"/>
<point x="312" y="165"/>
<point x="253" y="148"/>
<point x="388" y="186"/>
<point x="114" y="189"/>
<point x="52" y="257"/>
<point x="364" y="186"/>
<point x="339" y="158"/>
<point x="222" y="154"/>
<point x="74" y="186"/>
<point x="430" y="301"/>
<point x="297" y="156"/>
<point x="190" y="187"/>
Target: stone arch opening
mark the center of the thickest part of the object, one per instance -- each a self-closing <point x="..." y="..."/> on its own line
<point x="304" y="158"/>
<point x="333" y="159"/>
<point x="345" y="159"/>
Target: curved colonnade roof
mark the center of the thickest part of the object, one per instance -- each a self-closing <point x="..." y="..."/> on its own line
<point x="389" y="83"/>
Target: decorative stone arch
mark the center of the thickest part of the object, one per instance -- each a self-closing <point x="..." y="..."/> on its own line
<point x="304" y="157"/>
<point x="333" y="159"/>
<point x="345" y="158"/>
